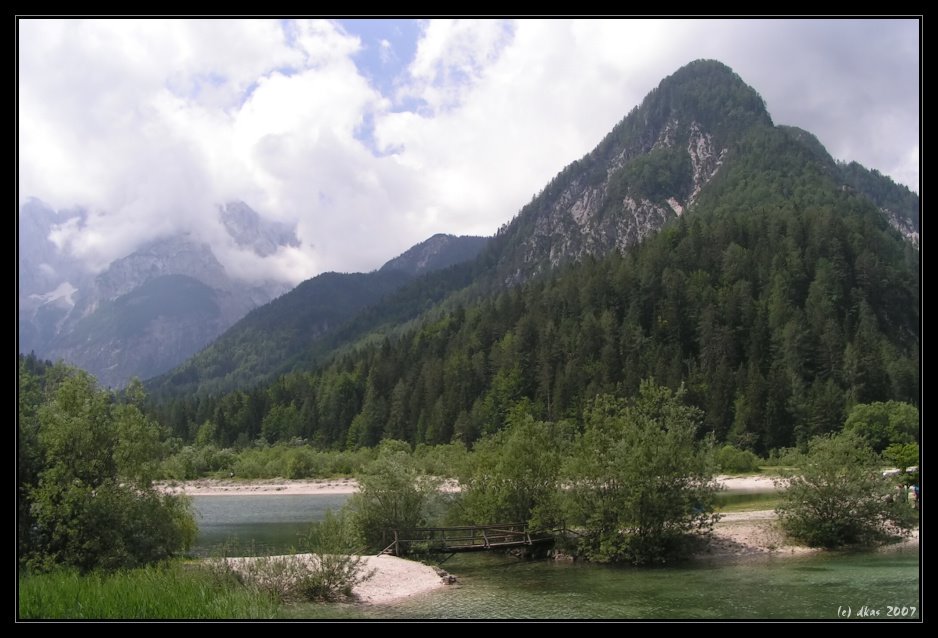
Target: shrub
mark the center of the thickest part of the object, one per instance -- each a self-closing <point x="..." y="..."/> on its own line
<point x="301" y="463"/>
<point x="642" y="489"/>
<point x="840" y="497"/>
<point x="883" y="424"/>
<point x="338" y="566"/>
<point x="513" y="476"/>
<point x="329" y="571"/>
<point x="904" y="457"/>
<point x="393" y="494"/>
<point x="731" y="459"/>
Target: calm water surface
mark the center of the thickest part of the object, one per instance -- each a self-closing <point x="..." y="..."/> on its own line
<point x="494" y="586"/>
<point x="272" y="523"/>
<point x="779" y="588"/>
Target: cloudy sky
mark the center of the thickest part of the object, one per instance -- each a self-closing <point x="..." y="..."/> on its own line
<point x="371" y="135"/>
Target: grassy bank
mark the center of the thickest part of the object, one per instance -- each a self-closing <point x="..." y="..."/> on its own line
<point x="176" y="591"/>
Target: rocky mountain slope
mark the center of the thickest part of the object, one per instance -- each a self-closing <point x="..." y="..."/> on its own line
<point x="698" y="244"/>
<point x="144" y="313"/>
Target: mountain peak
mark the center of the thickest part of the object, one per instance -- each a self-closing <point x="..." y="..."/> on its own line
<point x="435" y="253"/>
<point x="710" y="93"/>
<point x="250" y="230"/>
<point x="651" y="167"/>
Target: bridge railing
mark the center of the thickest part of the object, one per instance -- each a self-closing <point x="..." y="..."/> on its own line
<point x="459" y="539"/>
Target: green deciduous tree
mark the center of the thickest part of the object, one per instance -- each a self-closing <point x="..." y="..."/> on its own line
<point x="839" y="496"/>
<point x="641" y="485"/>
<point x="884" y="423"/>
<point x="393" y="494"/>
<point x="904" y="456"/>
<point x="731" y="459"/>
<point x="93" y="505"/>
<point x="514" y="475"/>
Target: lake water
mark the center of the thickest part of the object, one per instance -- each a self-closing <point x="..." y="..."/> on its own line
<point x="495" y="586"/>
<point x="258" y="525"/>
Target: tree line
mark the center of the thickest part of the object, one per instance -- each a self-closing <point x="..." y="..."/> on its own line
<point x="778" y="320"/>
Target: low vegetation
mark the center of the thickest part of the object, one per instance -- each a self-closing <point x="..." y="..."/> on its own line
<point x="732" y="460"/>
<point x="328" y="567"/>
<point x="839" y="496"/>
<point x="175" y="591"/>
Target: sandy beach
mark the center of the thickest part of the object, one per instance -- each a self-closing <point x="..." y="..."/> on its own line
<point x="755" y="483"/>
<point x="234" y="487"/>
<point x="393" y="578"/>
<point x="746" y="535"/>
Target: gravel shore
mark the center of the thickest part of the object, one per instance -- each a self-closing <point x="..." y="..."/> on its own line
<point x="234" y="487"/>
<point x="393" y="578"/>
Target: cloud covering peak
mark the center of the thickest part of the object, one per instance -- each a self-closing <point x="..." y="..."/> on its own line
<point x="369" y="136"/>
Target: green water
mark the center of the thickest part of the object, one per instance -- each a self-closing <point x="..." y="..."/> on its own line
<point x="259" y="524"/>
<point x="779" y="588"/>
<point x="501" y="587"/>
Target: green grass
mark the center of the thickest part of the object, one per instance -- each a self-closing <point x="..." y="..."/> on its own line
<point x="747" y="501"/>
<point x="750" y="506"/>
<point x="176" y="591"/>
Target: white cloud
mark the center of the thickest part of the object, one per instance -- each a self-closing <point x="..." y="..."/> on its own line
<point x="150" y="124"/>
<point x="451" y="56"/>
<point x="386" y="51"/>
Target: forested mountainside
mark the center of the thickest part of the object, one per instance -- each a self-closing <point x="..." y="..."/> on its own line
<point x="652" y="166"/>
<point x="288" y="331"/>
<point x="778" y="293"/>
<point x="778" y="311"/>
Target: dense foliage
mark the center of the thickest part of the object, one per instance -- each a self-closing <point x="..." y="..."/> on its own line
<point x="883" y="191"/>
<point x="778" y="319"/>
<point x="883" y="424"/>
<point x="641" y="486"/>
<point x="85" y="496"/>
<point x="393" y="494"/>
<point x="732" y="460"/>
<point x="514" y="476"/>
<point x="839" y="496"/>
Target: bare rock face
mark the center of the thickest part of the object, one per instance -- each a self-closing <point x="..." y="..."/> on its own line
<point x="649" y="169"/>
<point x="904" y="225"/>
<point x="592" y="219"/>
<point x="249" y="230"/>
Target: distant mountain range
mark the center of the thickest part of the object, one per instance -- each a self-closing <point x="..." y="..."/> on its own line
<point x="145" y="312"/>
<point x="153" y="309"/>
<point x="277" y="336"/>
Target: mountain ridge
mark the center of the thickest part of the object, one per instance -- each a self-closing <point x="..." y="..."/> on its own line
<point x="777" y="292"/>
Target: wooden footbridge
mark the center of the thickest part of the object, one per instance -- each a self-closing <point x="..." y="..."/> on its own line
<point x="455" y="540"/>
